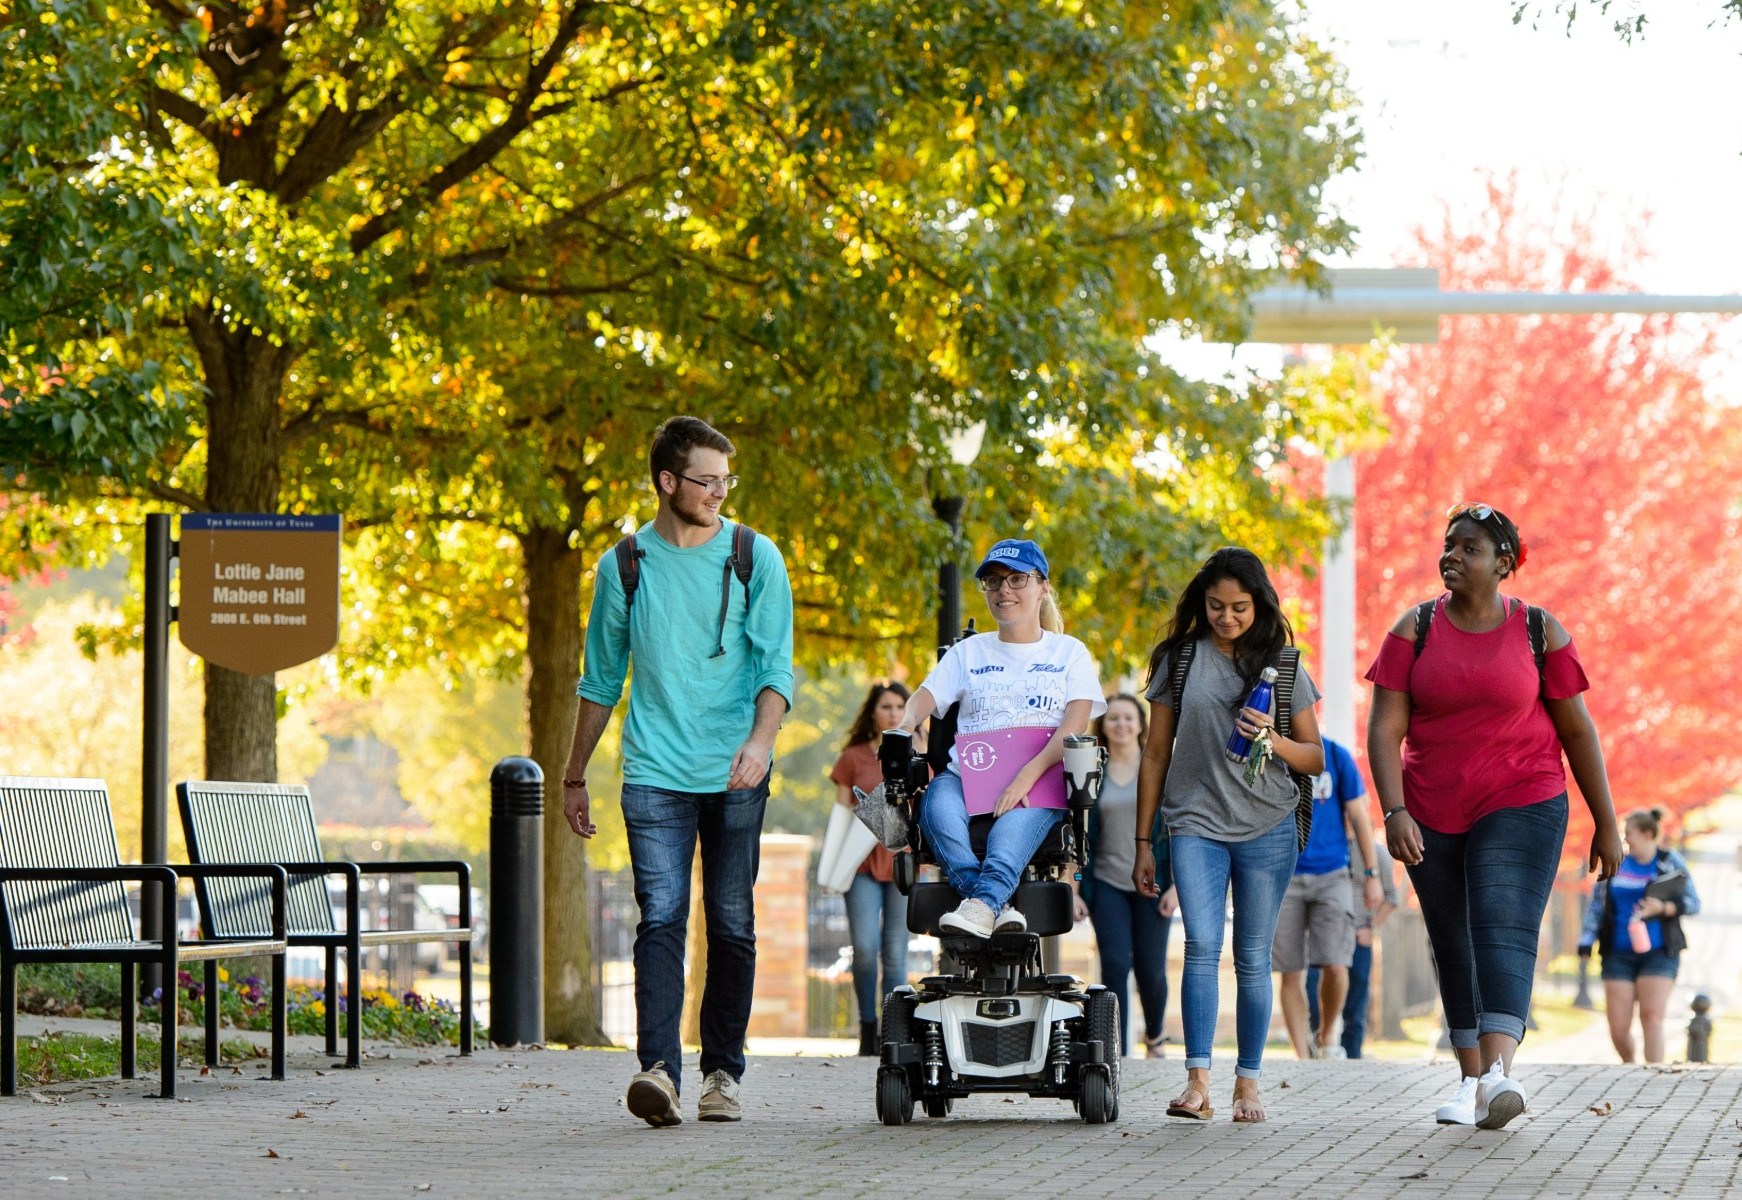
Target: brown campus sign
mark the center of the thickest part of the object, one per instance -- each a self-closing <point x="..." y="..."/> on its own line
<point x="259" y="591"/>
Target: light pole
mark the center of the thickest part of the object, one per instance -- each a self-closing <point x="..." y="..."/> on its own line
<point x="964" y="448"/>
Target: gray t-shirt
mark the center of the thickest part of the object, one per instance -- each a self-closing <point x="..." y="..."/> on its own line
<point x="1116" y="845"/>
<point x="1205" y="794"/>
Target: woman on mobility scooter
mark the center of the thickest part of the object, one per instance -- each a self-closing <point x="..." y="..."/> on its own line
<point x="1031" y="677"/>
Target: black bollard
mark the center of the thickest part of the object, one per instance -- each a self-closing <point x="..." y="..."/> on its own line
<point x="516" y="903"/>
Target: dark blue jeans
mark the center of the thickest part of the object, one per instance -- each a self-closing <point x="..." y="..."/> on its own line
<point x="1482" y="895"/>
<point x="663" y="828"/>
<point x="1131" y="932"/>
<point x="877" y="919"/>
<point x="1354" y="1006"/>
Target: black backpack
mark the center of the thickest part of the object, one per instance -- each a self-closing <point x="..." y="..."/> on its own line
<point x="629" y="556"/>
<point x="1533" y="621"/>
<point x="1286" y="675"/>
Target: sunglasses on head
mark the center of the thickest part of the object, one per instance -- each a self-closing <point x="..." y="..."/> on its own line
<point x="1479" y="513"/>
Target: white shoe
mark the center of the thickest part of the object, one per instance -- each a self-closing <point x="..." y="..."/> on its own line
<point x="719" y="1098"/>
<point x="1461" y="1108"/>
<point x="1498" y="1099"/>
<point x="970" y="916"/>
<point x="1333" y="1051"/>
<point x="1010" y="921"/>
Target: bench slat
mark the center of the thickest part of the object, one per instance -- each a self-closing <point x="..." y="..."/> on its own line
<point x="60" y="823"/>
<point x="254" y="823"/>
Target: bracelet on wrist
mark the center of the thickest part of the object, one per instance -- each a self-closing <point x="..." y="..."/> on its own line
<point x="569" y="783"/>
<point x="1392" y="812"/>
<point x="1143" y="839"/>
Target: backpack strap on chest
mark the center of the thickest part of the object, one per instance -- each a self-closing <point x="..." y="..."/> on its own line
<point x="1538" y="626"/>
<point x="738" y="563"/>
<point x="1286" y="678"/>
<point x="1424" y="620"/>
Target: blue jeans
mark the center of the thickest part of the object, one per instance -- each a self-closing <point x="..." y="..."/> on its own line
<point x="1354" y="1005"/>
<point x="1015" y="836"/>
<point x="877" y="917"/>
<point x="663" y="827"/>
<point x="1483" y="894"/>
<point x="1259" y="870"/>
<point x="1131" y="932"/>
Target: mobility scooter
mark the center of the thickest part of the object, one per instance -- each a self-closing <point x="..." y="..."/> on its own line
<point x="997" y="1022"/>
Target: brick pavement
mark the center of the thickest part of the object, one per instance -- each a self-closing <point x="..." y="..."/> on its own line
<point x="551" y="1123"/>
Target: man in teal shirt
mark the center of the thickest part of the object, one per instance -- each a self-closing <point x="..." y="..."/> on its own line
<point x="713" y="677"/>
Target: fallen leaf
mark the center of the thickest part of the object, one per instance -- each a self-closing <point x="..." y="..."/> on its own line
<point x="205" y="1070"/>
<point x="270" y="1153"/>
<point x="298" y="1115"/>
<point x="1603" y="1109"/>
<point x="1285" y="1083"/>
<point x="1417" y="1175"/>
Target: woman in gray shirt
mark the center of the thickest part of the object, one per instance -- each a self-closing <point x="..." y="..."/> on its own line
<point x="1223" y="831"/>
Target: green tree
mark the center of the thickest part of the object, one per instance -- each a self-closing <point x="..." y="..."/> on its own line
<point x="443" y="269"/>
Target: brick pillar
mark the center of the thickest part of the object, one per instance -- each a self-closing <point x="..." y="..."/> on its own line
<point x="782" y="937"/>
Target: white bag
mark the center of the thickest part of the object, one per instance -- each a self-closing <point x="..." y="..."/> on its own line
<point x="846" y="842"/>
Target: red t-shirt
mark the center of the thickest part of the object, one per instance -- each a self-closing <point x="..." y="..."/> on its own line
<point x="858" y="767"/>
<point x="1479" y="737"/>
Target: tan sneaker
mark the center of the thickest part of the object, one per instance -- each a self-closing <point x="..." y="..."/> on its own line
<point x="719" y="1100"/>
<point x="653" y="1097"/>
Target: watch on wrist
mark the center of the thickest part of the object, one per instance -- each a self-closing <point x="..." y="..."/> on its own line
<point x="1371" y="873"/>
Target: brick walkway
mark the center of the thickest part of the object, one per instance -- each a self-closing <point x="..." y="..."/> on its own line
<point x="552" y="1124"/>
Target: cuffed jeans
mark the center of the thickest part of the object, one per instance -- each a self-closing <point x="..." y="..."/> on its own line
<point x="877" y="918"/>
<point x="1483" y="894"/>
<point x="663" y="827"/>
<point x="1015" y="836"/>
<point x="1130" y="932"/>
<point x="1258" y="870"/>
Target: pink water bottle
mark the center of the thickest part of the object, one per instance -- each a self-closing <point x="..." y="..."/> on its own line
<point x="1639" y="935"/>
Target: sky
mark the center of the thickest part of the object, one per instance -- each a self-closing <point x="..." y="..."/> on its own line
<point x="1452" y="92"/>
<point x="1450" y="88"/>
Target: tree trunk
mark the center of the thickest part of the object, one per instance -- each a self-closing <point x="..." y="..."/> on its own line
<point x="553" y="654"/>
<point x="244" y="374"/>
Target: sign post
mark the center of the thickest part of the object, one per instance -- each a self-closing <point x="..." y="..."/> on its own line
<point x="259" y="593"/>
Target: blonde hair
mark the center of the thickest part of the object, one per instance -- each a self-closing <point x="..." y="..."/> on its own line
<point x="1051" y="619"/>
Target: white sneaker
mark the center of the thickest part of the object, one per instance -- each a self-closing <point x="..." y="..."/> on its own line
<point x="1461" y="1108"/>
<point x="970" y="916"/>
<point x="1498" y="1099"/>
<point x="1010" y="921"/>
<point x="1333" y="1051"/>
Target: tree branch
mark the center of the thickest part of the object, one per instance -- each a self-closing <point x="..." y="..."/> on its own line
<point x="521" y="117"/>
<point x="175" y="495"/>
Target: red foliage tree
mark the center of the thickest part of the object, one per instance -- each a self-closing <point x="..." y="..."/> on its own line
<point x="1598" y="437"/>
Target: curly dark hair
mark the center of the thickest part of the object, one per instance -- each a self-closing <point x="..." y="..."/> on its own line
<point x="865" y="724"/>
<point x="1260" y="645"/>
<point x="1500" y="530"/>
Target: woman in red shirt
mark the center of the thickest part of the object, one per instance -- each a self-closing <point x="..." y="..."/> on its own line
<point x="1464" y="741"/>
<point x="876" y="910"/>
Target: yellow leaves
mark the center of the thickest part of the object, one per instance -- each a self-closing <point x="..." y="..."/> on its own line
<point x="457" y="72"/>
<point x="965" y="128"/>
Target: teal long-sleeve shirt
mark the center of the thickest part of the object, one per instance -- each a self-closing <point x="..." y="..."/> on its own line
<point x="689" y="710"/>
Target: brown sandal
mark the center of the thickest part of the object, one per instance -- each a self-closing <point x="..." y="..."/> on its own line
<point x="1201" y="1113"/>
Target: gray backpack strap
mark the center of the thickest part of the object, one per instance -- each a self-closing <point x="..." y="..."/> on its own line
<point x="738" y="563"/>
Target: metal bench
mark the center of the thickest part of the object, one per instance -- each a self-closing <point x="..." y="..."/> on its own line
<point x="62" y="900"/>
<point x="275" y="823"/>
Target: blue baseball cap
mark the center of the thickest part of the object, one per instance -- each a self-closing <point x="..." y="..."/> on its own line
<point x="1016" y="554"/>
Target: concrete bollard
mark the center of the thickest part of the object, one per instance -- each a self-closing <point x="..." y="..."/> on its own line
<point x="1700" y="1030"/>
<point x="516" y="903"/>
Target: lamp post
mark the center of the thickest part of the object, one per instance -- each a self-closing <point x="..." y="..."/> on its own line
<point x="964" y="448"/>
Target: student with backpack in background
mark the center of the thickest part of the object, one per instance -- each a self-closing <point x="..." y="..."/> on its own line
<point x="1476" y="696"/>
<point x="703" y="608"/>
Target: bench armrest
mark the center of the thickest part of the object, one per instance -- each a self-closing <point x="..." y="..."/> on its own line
<point x="462" y="872"/>
<point x="279" y="878"/>
<point x="143" y="872"/>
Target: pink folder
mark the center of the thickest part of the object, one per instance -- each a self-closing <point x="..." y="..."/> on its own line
<point x="988" y="762"/>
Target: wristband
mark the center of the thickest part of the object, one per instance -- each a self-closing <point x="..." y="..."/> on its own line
<point x="1392" y="812"/>
<point x="1143" y="839"/>
<point x="569" y="783"/>
<point x="1371" y="873"/>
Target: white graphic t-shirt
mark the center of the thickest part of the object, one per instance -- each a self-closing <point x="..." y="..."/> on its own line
<point x="1012" y="685"/>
